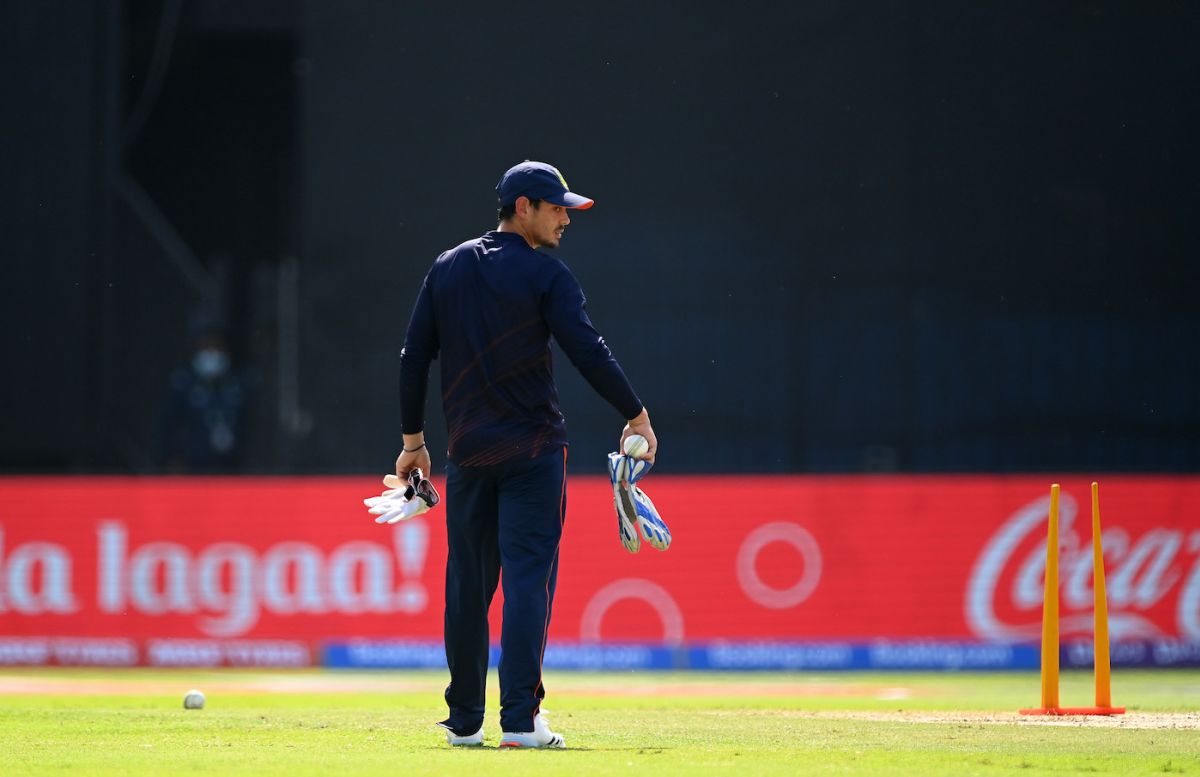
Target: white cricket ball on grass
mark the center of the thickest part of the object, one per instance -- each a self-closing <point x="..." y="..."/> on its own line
<point x="636" y="446"/>
<point x="193" y="700"/>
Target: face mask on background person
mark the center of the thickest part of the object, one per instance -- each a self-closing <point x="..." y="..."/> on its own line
<point x="210" y="363"/>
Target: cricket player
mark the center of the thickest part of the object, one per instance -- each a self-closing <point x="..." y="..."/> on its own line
<point x="487" y="309"/>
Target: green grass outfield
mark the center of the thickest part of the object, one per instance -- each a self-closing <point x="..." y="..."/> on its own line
<point x="131" y="722"/>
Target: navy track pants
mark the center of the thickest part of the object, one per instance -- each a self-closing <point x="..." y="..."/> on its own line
<point x="504" y="520"/>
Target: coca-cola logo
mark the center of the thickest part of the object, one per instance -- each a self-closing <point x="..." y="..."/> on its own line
<point x="1145" y="574"/>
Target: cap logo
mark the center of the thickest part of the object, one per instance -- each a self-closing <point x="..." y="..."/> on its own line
<point x="563" y="181"/>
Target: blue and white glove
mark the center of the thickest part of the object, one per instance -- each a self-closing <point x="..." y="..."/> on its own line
<point x="401" y="500"/>
<point x="617" y="466"/>
<point x="633" y="507"/>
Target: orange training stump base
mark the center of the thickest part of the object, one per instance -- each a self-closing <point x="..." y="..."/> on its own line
<point x="1075" y="711"/>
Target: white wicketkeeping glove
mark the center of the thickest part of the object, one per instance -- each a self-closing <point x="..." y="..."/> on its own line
<point x="401" y="500"/>
<point x="634" y="508"/>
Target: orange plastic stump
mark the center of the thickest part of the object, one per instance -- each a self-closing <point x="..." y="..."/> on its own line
<point x="1050" y="621"/>
<point x="1075" y="711"/>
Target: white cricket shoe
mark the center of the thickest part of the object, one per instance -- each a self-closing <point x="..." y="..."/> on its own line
<point x="541" y="736"/>
<point x="471" y="740"/>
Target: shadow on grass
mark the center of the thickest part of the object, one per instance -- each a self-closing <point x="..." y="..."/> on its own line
<point x="567" y="749"/>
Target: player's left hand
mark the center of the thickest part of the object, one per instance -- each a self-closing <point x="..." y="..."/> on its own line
<point x="403" y="500"/>
<point x="410" y="460"/>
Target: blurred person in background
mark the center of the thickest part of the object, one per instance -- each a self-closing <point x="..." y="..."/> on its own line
<point x="203" y="417"/>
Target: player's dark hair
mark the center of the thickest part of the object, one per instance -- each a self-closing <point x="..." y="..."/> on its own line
<point x="506" y="212"/>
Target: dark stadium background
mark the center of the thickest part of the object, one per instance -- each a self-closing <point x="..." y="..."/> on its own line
<point x="829" y="237"/>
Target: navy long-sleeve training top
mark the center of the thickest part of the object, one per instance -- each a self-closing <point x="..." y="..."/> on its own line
<point x="488" y="308"/>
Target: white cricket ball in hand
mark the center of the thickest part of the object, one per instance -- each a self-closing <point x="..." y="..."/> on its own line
<point x="636" y="446"/>
<point x="193" y="700"/>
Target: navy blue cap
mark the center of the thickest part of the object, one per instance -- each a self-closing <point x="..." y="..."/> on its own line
<point x="538" y="181"/>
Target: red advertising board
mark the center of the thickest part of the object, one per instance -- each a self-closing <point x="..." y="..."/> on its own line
<point x="262" y="569"/>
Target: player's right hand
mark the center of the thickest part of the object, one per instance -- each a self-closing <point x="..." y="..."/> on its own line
<point x="641" y="425"/>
